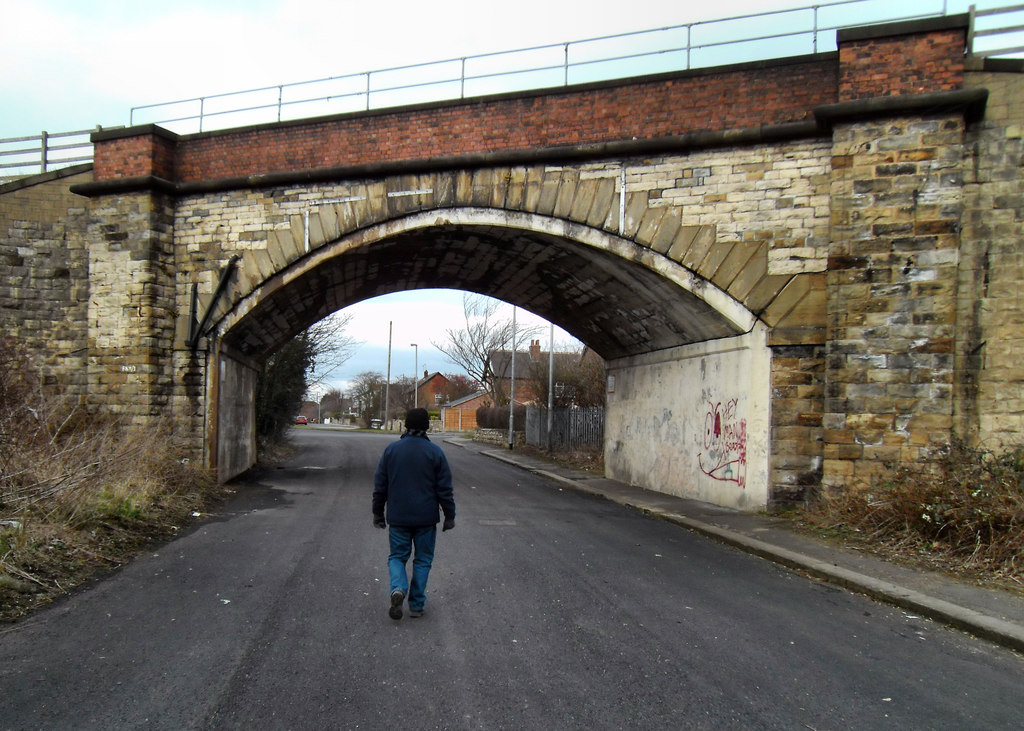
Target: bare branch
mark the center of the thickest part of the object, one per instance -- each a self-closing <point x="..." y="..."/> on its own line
<point x="485" y="334"/>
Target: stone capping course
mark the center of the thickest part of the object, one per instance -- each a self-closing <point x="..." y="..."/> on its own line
<point x="139" y="130"/>
<point x="903" y="28"/>
<point x="995" y="65"/>
<point x="39" y="178"/>
<point x="971" y="101"/>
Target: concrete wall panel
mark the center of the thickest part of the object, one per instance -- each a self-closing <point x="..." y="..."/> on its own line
<point x="236" y="418"/>
<point x="694" y="421"/>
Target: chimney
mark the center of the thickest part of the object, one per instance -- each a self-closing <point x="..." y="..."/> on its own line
<point x="425" y="372"/>
<point x="535" y="350"/>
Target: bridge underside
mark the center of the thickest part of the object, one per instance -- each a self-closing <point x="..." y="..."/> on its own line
<point x="618" y="308"/>
<point x="675" y="343"/>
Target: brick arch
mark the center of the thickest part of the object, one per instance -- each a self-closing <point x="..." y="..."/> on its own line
<point x="617" y="296"/>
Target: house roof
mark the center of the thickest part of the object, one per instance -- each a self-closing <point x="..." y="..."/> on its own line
<point x="464" y="399"/>
<point x="427" y="378"/>
<point x="501" y="361"/>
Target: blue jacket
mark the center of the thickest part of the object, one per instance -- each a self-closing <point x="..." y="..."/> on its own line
<point x="413" y="480"/>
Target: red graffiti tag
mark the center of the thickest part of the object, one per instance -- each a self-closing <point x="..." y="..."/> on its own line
<point x="724" y="457"/>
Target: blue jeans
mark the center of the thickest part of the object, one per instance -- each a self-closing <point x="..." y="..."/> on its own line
<point x="402" y="542"/>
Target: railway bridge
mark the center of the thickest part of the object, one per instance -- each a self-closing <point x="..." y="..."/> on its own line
<point x="799" y="271"/>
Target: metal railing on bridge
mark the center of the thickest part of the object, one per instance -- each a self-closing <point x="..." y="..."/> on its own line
<point x="702" y="44"/>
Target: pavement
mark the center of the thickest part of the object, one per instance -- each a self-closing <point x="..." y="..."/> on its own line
<point x="992" y="614"/>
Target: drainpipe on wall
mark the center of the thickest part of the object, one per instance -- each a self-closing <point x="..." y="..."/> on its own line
<point x="551" y="380"/>
<point x="622" y="199"/>
<point x="512" y="387"/>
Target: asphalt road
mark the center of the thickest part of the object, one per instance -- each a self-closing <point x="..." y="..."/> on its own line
<point x="546" y="609"/>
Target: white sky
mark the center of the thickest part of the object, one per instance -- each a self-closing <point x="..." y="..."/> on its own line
<point x="73" y="64"/>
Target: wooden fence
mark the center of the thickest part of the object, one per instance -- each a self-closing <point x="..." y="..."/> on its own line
<point x="570" y="428"/>
<point x="23" y="156"/>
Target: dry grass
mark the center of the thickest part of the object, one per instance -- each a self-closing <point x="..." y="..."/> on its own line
<point x="964" y="515"/>
<point x="80" y="493"/>
<point x="590" y="461"/>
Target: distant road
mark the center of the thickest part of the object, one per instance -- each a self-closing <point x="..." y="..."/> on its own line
<point x="547" y="609"/>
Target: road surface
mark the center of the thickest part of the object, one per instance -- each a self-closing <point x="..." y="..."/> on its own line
<point x="547" y="609"/>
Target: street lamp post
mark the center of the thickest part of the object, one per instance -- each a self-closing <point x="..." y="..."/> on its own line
<point x="416" y="378"/>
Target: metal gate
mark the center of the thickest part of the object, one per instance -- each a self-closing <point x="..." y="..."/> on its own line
<point x="570" y="428"/>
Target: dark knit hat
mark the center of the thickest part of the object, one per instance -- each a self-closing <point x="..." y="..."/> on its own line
<point x="417" y="419"/>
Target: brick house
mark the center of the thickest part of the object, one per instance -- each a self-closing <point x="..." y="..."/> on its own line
<point x="531" y="365"/>
<point x="432" y="390"/>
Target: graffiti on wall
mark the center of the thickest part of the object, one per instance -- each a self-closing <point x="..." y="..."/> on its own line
<point x="724" y="456"/>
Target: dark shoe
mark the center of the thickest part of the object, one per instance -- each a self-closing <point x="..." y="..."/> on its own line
<point x="397" y="597"/>
<point x="415" y="613"/>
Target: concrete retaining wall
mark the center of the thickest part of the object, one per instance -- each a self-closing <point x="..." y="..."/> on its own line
<point x="694" y="421"/>
<point x="236" y="417"/>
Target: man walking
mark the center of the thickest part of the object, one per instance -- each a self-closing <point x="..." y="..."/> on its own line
<point x="413" y="480"/>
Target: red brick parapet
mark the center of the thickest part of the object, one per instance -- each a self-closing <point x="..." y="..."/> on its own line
<point x="144" y="151"/>
<point x="897" y="59"/>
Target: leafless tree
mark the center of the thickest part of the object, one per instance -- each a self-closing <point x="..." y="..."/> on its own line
<point x="330" y="347"/>
<point x="579" y="377"/>
<point x="485" y="333"/>
<point x="332" y="404"/>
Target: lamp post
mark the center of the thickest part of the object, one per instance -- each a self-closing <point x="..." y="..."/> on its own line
<point x="416" y="378"/>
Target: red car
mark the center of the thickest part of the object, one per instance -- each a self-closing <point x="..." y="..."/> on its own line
<point x="301" y="420"/>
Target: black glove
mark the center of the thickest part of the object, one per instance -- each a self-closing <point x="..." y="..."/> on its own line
<point x="379" y="522"/>
<point x="449" y="523"/>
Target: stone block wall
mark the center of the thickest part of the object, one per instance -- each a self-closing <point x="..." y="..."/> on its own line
<point x="897" y="199"/>
<point x="44" y="274"/>
<point x="132" y="311"/>
<point x="990" y="306"/>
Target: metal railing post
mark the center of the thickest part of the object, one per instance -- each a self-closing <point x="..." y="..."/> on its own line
<point x="566" y="65"/>
<point x="280" y="96"/>
<point x="689" y="47"/>
<point x="462" y="80"/>
<point x="202" y="104"/>
<point x="42" y="152"/>
<point x="368" y="90"/>
<point x="970" y="27"/>
<point x="814" y="43"/>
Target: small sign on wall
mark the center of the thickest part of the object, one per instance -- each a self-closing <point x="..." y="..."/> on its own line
<point x="611" y="383"/>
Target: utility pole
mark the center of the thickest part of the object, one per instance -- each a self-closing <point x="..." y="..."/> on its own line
<point x="512" y="387"/>
<point x="551" y="380"/>
<point x="416" y="378"/>
<point x="387" y="387"/>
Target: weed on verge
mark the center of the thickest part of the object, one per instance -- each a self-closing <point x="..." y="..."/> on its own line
<point x="963" y="514"/>
<point x="80" y="493"/>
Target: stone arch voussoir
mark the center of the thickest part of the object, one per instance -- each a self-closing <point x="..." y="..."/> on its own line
<point x="790" y="302"/>
<point x="245" y="301"/>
